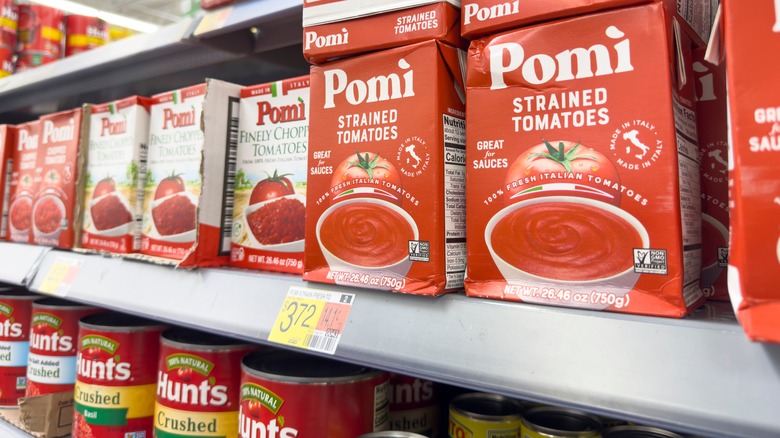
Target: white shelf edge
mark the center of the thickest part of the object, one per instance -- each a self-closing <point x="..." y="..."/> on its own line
<point x="697" y="376"/>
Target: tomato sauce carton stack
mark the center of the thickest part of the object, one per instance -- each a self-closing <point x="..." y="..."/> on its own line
<point x="187" y="219"/>
<point x="584" y="180"/>
<point x="7" y="144"/>
<point x="115" y="175"/>
<point x="22" y="182"/>
<point x="56" y="210"/>
<point x="270" y="187"/>
<point x="386" y="180"/>
<point x="752" y="36"/>
<point x="712" y="127"/>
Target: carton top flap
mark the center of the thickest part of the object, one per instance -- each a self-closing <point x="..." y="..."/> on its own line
<point x="330" y="11"/>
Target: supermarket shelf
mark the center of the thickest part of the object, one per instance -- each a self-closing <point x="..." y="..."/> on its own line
<point x="697" y="375"/>
<point x="19" y="262"/>
<point x="10" y="431"/>
<point x="151" y="63"/>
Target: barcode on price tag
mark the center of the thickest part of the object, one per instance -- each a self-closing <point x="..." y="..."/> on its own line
<point x="61" y="276"/>
<point x="312" y="319"/>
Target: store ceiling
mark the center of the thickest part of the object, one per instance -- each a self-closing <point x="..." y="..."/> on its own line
<point x="160" y="12"/>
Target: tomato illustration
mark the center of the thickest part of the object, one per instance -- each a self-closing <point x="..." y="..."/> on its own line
<point x="254" y="409"/>
<point x="185" y="374"/>
<point x="170" y="185"/>
<point x="104" y="187"/>
<point x="275" y="186"/>
<point x="367" y="165"/>
<point x="589" y="168"/>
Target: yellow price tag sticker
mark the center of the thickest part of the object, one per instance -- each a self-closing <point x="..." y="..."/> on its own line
<point x="312" y="319"/>
<point x="213" y="20"/>
<point x="61" y="276"/>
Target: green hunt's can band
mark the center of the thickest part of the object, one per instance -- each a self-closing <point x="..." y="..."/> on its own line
<point x="550" y="422"/>
<point x="638" y="432"/>
<point x="479" y="415"/>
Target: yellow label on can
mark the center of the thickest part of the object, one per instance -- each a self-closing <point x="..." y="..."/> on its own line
<point x="137" y="401"/>
<point x="170" y="423"/>
<point x="462" y="426"/>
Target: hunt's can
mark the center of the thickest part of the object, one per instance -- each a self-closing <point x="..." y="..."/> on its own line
<point x="392" y="434"/>
<point x="51" y="364"/>
<point x="414" y="405"/>
<point x="198" y="381"/>
<point x="9" y="24"/>
<point x="7" y="67"/>
<point x="306" y="396"/>
<point x="40" y="35"/>
<point x="552" y="422"/>
<point x="481" y="415"/>
<point x="15" y="311"/>
<point x="84" y="33"/>
<point x="638" y="432"/>
<point x="116" y="376"/>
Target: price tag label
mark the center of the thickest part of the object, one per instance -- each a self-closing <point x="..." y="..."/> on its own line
<point x="61" y="276"/>
<point x="312" y="319"/>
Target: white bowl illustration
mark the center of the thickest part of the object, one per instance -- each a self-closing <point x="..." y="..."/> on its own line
<point x="187" y="236"/>
<point x="60" y="206"/>
<point x="619" y="284"/>
<point x="396" y="269"/>
<point x="119" y="230"/>
<point x="295" y="246"/>
<point x="17" y="234"/>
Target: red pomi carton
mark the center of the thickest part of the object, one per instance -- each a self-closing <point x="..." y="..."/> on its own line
<point x="57" y="205"/>
<point x="712" y="127"/>
<point x="270" y="188"/>
<point x="386" y="181"/>
<point x="392" y="29"/>
<point x="584" y="186"/>
<point x="752" y="36"/>
<point x="22" y="182"/>
<point x="316" y="12"/>
<point x="7" y="145"/>
<point x="115" y="171"/>
<point x="483" y="17"/>
<point x="189" y="183"/>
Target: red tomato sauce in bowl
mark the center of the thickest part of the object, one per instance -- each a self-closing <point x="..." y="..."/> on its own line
<point x="109" y="213"/>
<point x="280" y="221"/>
<point x="175" y="215"/>
<point x="366" y="234"/>
<point x="21" y="215"/>
<point x="48" y="215"/>
<point x="566" y="241"/>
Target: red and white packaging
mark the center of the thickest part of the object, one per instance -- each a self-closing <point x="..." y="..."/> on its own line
<point x="9" y="23"/>
<point x="15" y="316"/>
<point x="41" y="35"/>
<point x="415" y="405"/>
<point x="386" y="185"/>
<point x="84" y="33"/>
<point x="712" y="127"/>
<point x="439" y="21"/>
<point x="57" y="203"/>
<point x="564" y="203"/>
<point x="752" y="37"/>
<point x="316" y="12"/>
<point x="187" y="202"/>
<point x="7" y="146"/>
<point x="270" y="188"/>
<point x="22" y="182"/>
<point x="115" y="175"/>
<point x="484" y="17"/>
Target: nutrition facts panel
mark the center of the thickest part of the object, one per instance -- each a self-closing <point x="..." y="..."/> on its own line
<point x="455" y="199"/>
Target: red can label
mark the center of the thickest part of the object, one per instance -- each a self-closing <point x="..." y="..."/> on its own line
<point x="14" y="346"/>
<point x="41" y="30"/>
<point x="9" y="23"/>
<point x="115" y="382"/>
<point x="84" y="33"/>
<point x="289" y="410"/>
<point x="414" y="405"/>
<point x="51" y="365"/>
<point x="197" y="392"/>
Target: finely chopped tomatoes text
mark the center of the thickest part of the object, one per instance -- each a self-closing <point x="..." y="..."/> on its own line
<point x="279" y="221"/>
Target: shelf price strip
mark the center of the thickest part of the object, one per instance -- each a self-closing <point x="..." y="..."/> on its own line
<point x="312" y="319"/>
<point x="61" y="276"/>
